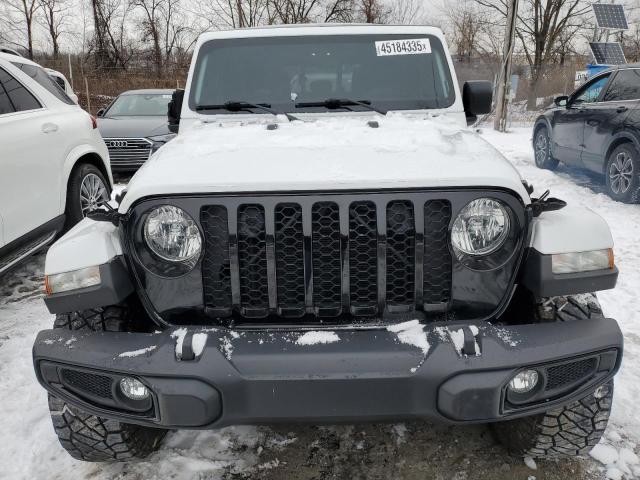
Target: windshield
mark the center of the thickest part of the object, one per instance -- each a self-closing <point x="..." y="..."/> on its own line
<point x="392" y="72"/>
<point x="148" y="104"/>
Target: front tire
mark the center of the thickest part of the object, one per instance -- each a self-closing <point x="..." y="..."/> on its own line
<point x="542" y="149"/>
<point x="622" y="174"/>
<point x="89" y="437"/>
<point x="87" y="190"/>
<point x="562" y="432"/>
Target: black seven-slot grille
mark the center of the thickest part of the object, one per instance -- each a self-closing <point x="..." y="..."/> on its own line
<point x="324" y="259"/>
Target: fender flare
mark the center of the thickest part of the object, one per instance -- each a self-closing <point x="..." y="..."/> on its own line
<point x="72" y="159"/>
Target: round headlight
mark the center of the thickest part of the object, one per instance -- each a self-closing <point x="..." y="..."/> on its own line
<point x="481" y="227"/>
<point x="172" y="234"/>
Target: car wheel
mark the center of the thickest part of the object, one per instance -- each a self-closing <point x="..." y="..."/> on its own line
<point x="87" y="191"/>
<point x="542" y="149"/>
<point x="622" y="175"/>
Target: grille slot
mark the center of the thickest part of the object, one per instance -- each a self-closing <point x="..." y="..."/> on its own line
<point x="252" y="260"/>
<point x="327" y="271"/>
<point x="437" y="258"/>
<point x="363" y="263"/>
<point x="128" y="152"/>
<point x="91" y="383"/>
<point x="318" y="258"/>
<point x="215" y="263"/>
<point x="289" y="246"/>
<point x="401" y="238"/>
<point x="569" y="373"/>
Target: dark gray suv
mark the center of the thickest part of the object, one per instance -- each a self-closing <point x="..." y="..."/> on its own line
<point x="598" y="128"/>
<point x="134" y="126"/>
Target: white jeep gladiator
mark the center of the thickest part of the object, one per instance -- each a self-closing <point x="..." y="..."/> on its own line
<point x="327" y="241"/>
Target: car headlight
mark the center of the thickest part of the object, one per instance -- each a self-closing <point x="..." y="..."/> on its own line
<point x="172" y="234"/>
<point x="163" y="138"/>
<point x="481" y="227"/>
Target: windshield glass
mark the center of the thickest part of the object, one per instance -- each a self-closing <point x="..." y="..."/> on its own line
<point x="393" y="72"/>
<point x="148" y="104"/>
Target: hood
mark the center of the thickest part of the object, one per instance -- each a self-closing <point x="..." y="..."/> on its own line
<point x="330" y="154"/>
<point x="132" y="127"/>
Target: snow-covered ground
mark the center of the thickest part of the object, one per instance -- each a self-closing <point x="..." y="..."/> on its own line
<point x="30" y="450"/>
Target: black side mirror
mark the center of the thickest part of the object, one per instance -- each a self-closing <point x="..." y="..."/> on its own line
<point x="100" y="112"/>
<point x="174" y="109"/>
<point x="476" y="98"/>
<point x="561" y="101"/>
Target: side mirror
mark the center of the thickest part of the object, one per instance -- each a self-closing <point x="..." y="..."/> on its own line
<point x="476" y="98"/>
<point x="100" y="112"/>
<point x="174" y="108"/>
<point x="561" y="101"/>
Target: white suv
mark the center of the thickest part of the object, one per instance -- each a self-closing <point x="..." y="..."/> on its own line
<point x="54" y="166"/>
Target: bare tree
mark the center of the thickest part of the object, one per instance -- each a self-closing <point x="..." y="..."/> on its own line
<point x="407" y="12"/>
<point x="110" y="39"/>
<point x="20" y="19"/>
<point x="373" y="11"/>
<point x="55" y="18"/>
<point x="540" y="26"/>
<point x="216" y="14"/>
<point x="467" y="24"/>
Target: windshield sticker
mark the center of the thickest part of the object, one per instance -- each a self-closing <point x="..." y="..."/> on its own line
<point x="411" y="46"/>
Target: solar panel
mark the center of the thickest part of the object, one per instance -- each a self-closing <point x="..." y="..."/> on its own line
<point x="607" y="53"/>
<point x="610" y="16"/>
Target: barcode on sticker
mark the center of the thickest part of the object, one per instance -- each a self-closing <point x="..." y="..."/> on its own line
<point x="411" y="46"/>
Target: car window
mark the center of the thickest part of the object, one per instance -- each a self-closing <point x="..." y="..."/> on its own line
<point x="624" y="86"/>
<point x="43" y="78"/>
<point x="147" y="104"/>
<point x="393" y="72"/>
<point x="591" y="91"/>
<point x="18" y="96"/>
<point x="59" y="81"/>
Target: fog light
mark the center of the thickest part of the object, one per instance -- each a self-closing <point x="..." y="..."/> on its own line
<point x="133" y="389"/>
<point x="524" y="381"/>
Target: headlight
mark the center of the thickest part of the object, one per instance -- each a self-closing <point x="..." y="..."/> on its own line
<point x="163" y="138"/>
<point x="172" y="234"/>
<point x="481" y="227"/>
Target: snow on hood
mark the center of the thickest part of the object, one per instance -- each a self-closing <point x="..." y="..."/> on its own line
<point x="327" y="154"/>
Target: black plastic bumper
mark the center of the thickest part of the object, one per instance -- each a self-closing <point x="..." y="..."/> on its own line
<point x="251" y="377"/>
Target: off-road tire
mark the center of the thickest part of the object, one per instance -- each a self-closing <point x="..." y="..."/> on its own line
<point x="73" y="210"/>
<point x="632" y="192"/>
<point x="566" y="431"/>
<point x="88" y="437"/>
<point x="542" y="149"/>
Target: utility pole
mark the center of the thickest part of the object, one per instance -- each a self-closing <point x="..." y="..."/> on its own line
<point x="504" y="80"/>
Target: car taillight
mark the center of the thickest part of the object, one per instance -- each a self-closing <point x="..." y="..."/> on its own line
<point x="94" y="122"/>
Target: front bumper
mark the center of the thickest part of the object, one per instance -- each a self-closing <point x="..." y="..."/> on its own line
<point x="252" y="377"/>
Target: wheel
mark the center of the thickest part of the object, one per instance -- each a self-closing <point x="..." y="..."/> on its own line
<point x="622" y="174"/>
<point x="542" y="149"/>
<point x="87" y="190"/>
<point x="88" y="437"/>
<point x="562" y="432"/>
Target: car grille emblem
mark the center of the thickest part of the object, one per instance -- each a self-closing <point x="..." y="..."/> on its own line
<point x="118" y="144"/>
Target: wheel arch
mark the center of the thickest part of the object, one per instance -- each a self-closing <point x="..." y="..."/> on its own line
<point x="619" y="139"/>
<point x="82" y="155"/>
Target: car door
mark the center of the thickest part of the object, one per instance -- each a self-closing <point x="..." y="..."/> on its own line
<point x="606" y="116"/>
<point x="29" y="190"/>
<point x="568" y="122"/>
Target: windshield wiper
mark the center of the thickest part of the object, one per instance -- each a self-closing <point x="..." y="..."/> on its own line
<point x="334" y="103"/>
<point x="240" y="106"/>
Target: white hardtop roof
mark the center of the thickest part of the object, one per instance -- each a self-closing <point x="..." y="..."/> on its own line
<point x="320" y="29"/>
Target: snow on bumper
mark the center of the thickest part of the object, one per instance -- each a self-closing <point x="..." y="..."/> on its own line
<point x="205" y="378"/>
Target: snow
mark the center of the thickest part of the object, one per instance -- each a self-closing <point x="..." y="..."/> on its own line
<point x="179" y="335"/>
<point x="198" y="343"/>
<point x="411" y="333"/>
<point x="137" y="353"/>
<point x="531" y="463"/>
<point x="316" y="337"/>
